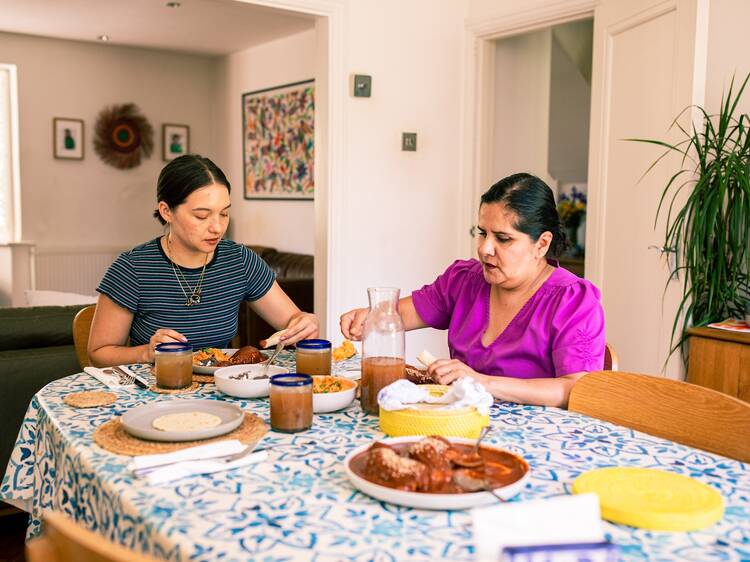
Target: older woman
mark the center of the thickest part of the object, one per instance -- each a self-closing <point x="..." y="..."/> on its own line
<point x="186" y="286"/>
<point x="522" y="326"/>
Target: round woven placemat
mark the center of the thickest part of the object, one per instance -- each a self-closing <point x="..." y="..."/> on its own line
<point x="90" y="399"/>
<point x="203" y="379"/>
<point x="113" y="437"/>
<point x="192" y="388"/>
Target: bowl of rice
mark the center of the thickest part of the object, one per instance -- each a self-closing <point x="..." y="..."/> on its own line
<point x="331" y="393"/>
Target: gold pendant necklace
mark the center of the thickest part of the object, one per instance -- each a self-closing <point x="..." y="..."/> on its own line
<point x="195" y="294"/>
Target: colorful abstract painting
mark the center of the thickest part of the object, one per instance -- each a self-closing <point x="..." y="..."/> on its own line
<point x="278" y="137"/>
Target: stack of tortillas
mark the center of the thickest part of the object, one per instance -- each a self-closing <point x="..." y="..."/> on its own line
<point x="186" y="421"/>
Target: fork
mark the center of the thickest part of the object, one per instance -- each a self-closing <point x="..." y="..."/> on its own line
<point x="128" y="378"/>
<point x="276" y="352"/>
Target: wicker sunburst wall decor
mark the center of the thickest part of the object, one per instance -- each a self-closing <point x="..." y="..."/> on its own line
<point x="123" y="136"/>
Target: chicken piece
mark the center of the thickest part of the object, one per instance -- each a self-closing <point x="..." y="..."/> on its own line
<point x="431" y="451"/>
<point x="385" y="466"/>
<point x="246" y="355"/>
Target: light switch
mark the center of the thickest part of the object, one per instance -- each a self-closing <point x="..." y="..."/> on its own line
<point x="362" y="85"/>
<point x="409" y="141"/>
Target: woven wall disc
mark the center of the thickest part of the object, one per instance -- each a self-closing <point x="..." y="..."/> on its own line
<point x="123" y="136"/>
<point x="113" y="437"/>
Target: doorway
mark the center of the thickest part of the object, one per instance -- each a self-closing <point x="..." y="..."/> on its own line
<point x="542" y="103"/>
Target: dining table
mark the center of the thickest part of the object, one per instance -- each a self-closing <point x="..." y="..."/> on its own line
<point x="299" y="503"/>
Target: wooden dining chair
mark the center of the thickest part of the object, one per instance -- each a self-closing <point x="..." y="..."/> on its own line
<point x="682" y="412"/>
<point x="64" y="540"/>
<point x="81" y="330"/>
<point x="611" y="361"/>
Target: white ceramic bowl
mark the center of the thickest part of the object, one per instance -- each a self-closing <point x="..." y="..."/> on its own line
<point x="325" y="402"/>
<point x="245" y="388"/>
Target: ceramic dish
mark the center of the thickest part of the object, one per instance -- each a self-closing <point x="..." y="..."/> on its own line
<point x="139" y="421"/>
<point x="325" y="402"/>
<point x="200" y="370"/>
<point x="245" y="388"/>
<point x="424" y="500"/>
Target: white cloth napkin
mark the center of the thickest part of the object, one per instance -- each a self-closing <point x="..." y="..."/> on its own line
<point x="110" y="379"/>
<point x="463" y="393"/>
<point x="557" y="520"/>
<point x="194" y="460"/>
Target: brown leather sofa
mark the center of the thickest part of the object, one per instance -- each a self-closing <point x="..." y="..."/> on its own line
<point x="294" y="273"/>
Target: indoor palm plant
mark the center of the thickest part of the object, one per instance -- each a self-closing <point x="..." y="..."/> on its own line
<point x="709" y="226"/>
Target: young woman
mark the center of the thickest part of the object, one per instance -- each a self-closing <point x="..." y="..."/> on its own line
<point x="187" y="285"/>
<point x="523" y="327"/>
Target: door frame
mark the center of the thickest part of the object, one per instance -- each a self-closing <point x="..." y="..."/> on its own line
<point x="478" y="111"/>
<point x="330" y="141"/>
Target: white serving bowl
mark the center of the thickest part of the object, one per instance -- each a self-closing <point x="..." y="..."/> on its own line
<point x="245" y="388"/>
<point x="325" y="402"/>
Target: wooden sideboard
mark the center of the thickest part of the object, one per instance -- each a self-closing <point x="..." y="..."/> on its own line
<point x="720" y="359"/>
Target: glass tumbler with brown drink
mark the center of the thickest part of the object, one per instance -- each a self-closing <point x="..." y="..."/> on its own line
<point x="174" y="365"/>
<point x="291" y="402"/>
<point x="314" y="357"/>
<point x="382" y="346"/>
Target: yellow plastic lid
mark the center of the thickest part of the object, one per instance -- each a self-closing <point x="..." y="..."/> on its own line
<point x="652" y="499"/>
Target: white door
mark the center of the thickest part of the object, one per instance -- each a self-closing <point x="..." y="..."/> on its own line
<point x="649" y="64"/>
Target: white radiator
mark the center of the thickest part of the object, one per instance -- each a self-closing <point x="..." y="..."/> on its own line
<point x="77" y="270"/>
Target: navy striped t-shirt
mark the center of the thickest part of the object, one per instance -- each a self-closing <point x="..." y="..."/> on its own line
<point x="143" y="281"/>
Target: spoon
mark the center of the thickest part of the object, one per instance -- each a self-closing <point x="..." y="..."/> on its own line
<point x="472" y="459"/>
<point x="276" y="352"/>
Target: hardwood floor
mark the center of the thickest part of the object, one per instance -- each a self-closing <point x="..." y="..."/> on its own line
<point x="12" y="534"/>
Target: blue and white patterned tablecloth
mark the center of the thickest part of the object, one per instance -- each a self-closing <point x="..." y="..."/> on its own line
<point x="300" y="505"/>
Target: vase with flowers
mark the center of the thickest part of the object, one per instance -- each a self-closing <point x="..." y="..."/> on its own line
<point x="572" y="210"/>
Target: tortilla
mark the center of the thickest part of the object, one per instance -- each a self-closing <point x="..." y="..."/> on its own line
<point x="186" y="421"/>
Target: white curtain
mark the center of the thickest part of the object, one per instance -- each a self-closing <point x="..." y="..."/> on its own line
<point x="6" y="156"/>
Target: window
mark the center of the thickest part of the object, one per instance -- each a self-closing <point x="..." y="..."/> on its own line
<point x="10" y="184"/>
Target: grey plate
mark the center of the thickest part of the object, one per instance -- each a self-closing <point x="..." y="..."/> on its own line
<point x="138" y="421"/>
<point x="198" y="370"/>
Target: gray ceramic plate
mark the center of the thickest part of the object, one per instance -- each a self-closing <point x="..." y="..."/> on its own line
<point x="139" y="421"/>
<point x="200" y="370"/>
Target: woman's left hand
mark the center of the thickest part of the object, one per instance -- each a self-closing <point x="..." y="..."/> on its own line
<point x="302" y="326"/>
<point x="445" y="371"/>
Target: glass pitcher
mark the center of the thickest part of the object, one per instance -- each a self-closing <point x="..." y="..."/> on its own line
<point x="382" y="346"/>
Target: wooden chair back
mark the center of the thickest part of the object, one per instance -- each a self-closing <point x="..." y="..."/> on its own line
<point x="682" y="412"/>
<point x="64" y="540"/>
<point x="81" y="330"/>
<point x="611" y="361"/>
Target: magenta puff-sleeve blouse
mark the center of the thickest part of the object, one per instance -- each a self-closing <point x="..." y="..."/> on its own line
<point x="560" y="330"/>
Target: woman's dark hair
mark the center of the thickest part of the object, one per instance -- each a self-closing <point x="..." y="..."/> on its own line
<point x="533" y="203"/>
<point x="182" y="176"/>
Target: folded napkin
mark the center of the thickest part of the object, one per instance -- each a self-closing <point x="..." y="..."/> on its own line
<point x="203" y="459"/>
<point x="557" y="520"/>
<point x="110" y="378"/>
<point x="463" y="393"/>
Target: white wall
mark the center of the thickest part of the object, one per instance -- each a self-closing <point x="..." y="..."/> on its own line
<point x="569" y="111"/>
<point x="401" y="218"/>
<point x="522" y="108"/>
<point x="284" y="225"/>
<point x="73" y="204"/>
<point x="728" y="44"/>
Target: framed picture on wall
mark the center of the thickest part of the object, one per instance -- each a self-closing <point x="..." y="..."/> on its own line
<point x="278" y="142"/>
<point x="67" y="143"/>
<point x="175" y="141"/>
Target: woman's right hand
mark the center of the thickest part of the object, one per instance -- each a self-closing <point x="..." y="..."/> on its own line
<point x="352" y="322"/>
<point x="163" y="335"/>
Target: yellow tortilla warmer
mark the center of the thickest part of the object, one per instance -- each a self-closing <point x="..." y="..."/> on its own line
<point x="462" y="422"/>
<point x="652" y="499"/>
